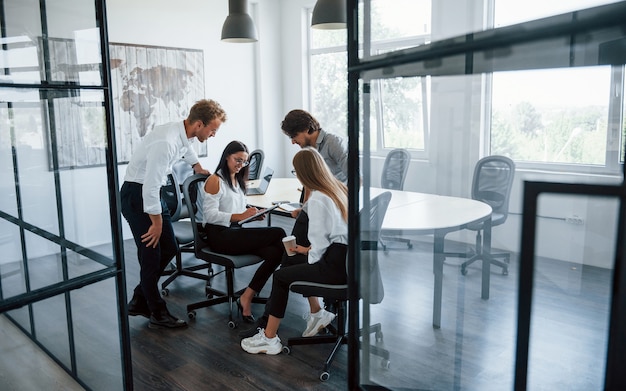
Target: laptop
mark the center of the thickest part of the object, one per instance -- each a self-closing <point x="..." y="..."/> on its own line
<point x="259" y="187"/>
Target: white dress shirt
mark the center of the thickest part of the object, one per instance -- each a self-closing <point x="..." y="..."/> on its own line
<point x="218" y="208"/>
<point x="326" y="226"/>
<point x="153" y="160"/>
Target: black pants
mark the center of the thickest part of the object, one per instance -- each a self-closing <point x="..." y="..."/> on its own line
<point x="152" y="261"/>
<point x="300" y="230"/>
<point x="331" y="269"/>
<point x="265" y="242"/>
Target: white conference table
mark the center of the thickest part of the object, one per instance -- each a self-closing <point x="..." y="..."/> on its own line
<point x="415" y="213"/>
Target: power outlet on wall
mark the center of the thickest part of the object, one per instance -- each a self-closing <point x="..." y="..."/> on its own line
<point x="574" y="220"/>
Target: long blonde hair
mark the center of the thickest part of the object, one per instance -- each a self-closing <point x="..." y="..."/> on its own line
<point x="314" y="174"/>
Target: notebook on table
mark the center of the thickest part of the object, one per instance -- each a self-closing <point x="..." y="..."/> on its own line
<point x="259" y="213"/>
<point x="259" y="187"/>
<point x="290" y="206"/>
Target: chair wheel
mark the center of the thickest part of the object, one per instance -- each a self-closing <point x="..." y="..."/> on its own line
<point x="286" y="349"/>
<point x="463" y="270"/>
<point x="409" y="245"/>
<point x="191" y="314"/>
<point x="232" y="324"/>
<point x="165" y="292"/>
<point x="505" y="271"/>
<point x="324" y="376"/>
<point x="385" y="364"/>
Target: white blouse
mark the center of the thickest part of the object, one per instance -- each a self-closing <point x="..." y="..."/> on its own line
<point x="218" y="208"/>
<point x="326" y="226"/>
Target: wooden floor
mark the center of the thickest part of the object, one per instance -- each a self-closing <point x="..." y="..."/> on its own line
<point x="473" y="350"/>
<point x="207" y="354"/>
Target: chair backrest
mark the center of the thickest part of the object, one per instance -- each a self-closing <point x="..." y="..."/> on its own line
<point x="256" y="163"/>
<point x="191" y="194"/>
<point x="394" y="169"/>
<point x="170" y="193"/>
<point x="492" y="183"/>
<point x="372" y="289"/>
<point x="182" y="170"/>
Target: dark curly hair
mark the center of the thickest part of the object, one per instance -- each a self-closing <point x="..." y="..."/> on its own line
<point x="298" y="121"/>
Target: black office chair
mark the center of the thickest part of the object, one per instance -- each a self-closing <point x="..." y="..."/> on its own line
<point x="491" y="184"/>
<point x="202" y="251"/>
<point x="393" y="175"/>
<point x="256" y="164"/>
<point x="371" y="291"/>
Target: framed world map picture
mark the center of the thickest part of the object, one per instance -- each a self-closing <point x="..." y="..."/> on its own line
<point x="152" y="85"/>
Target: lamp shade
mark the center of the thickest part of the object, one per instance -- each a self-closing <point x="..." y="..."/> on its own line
<point x="329" y="15"/>
<point x="238" y="26"/>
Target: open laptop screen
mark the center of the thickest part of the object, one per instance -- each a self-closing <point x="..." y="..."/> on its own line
<point x="262" y="184"/>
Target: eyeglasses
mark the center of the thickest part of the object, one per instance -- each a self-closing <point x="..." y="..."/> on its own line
<point x="241" y="162"/>
<point x="293" y="172"/>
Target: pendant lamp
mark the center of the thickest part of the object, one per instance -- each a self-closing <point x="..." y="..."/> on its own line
<point x="238" y="26"/>
<point x="329" y="15"/>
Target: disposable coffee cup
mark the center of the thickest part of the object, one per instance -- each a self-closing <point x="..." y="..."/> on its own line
<point x="289" y="242"/>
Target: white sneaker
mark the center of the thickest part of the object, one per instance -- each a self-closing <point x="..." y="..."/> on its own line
<point x="259" y="343"/>
<point x="317" y="321"/>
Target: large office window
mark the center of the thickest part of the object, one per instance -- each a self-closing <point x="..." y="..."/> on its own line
<point x="554" y="117"/>
<point x="563" y="120"/>
<point x="399" y="107"/>
<point x="557" y="119"/>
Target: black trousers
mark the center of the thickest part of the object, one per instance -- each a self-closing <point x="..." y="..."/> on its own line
<point x="265" y="242"/>
<point x="331" y="269"/>
<point x="300" y="230"/>
<point x="152" y="261"/>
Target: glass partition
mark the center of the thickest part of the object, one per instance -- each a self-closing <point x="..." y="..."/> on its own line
<point x="60" y="273"/>
<point x="552" y="103"/>
<point x="572" y="294"/>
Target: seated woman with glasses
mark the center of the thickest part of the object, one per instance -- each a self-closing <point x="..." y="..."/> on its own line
<point x="223" y="206"/>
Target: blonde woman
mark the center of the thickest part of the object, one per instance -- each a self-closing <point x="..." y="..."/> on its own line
<point x="326" y="256"/>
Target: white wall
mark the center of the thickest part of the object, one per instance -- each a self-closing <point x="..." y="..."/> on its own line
<point x="244" y="78"/>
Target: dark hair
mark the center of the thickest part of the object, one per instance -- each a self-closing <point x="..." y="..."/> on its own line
<point x="298" y="121"/>
<point x="222" y="167"/>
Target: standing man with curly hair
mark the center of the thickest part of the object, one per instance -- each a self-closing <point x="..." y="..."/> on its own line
<point x="303" y="129"/>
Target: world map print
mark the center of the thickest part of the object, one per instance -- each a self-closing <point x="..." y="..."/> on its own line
<point x="152" y="85"/>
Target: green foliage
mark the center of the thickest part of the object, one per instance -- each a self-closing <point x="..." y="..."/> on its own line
<point x="551" y="135"/>
<point x="526" y="118"/>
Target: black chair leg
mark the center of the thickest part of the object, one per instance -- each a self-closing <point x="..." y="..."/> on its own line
<point x="503" y="264"/>
<point x="337" y="336"/>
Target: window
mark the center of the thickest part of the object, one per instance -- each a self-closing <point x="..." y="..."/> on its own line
<point x="553" y="116"/>
<point x="399" y="107"/>
<point x="565" y="119"/>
